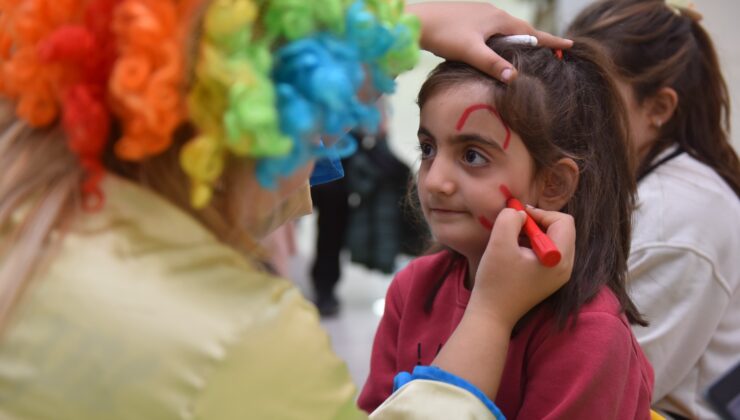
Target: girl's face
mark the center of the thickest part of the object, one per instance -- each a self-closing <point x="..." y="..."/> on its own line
<point x="467" y="154"/>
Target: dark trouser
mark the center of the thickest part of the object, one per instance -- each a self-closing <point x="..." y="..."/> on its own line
<point x="331" y="202"/>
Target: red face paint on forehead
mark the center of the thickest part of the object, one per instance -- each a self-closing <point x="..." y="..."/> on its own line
<point x="477" y="107"/>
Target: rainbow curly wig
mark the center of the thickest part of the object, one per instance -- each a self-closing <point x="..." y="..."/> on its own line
<point x="263" y="80"/>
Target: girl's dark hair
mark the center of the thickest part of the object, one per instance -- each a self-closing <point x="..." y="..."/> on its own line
<point x="568" y="107"/>
<point x="653" y="46"/>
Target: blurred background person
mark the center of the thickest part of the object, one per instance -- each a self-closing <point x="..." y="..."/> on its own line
<point x="684" y="271"/>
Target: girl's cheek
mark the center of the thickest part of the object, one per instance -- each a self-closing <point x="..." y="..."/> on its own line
<point x="491" y="209"/>
<point x="498" y="196"/>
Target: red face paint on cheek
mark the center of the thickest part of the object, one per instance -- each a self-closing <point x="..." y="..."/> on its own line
<point x="505" y="191"/>
<point x="477" y="107"/>
<point x="483" y="220"/>
<point x="542" y="245"/>
<point x="485" y="223"/>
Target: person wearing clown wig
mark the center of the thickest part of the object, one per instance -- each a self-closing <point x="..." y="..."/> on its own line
<point x="148" y="145"/>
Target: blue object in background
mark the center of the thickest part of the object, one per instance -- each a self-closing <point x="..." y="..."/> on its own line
<point x="329" y="166"/>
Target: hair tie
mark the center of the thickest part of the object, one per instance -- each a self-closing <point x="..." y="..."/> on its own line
<point x="684" y="8"/>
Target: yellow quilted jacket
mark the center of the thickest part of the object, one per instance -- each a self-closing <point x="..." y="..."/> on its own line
<point x="143" y="314"/>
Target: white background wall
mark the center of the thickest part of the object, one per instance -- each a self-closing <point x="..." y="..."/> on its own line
<point x="721" y="19"/>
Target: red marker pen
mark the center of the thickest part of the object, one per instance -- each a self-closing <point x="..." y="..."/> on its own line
<point x="542" y="246"/>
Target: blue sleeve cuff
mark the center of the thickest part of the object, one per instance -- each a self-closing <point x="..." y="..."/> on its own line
<point x="434" y="373"/>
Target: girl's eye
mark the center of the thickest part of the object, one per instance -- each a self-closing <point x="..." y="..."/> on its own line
<point x="427" y="150"/>
<point x="474" y="158"/>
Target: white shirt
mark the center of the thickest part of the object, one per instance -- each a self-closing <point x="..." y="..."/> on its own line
<point x="684" y="277"/>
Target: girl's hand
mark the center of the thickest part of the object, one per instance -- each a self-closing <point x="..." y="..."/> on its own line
<point x="510" y="279"/>
<point x="458" y="31"/>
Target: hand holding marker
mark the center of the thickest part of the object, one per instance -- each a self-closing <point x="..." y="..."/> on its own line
<point x="542" y="246"/>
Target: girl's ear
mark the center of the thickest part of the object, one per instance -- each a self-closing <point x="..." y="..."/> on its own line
<point x="559" y="183"/>
<point x="661" y="106"/>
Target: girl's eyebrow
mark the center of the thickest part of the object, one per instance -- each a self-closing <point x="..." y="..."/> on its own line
<point x="477" y="138"/>
<point x="465" y="137"/>
<point x="424" y="132"/>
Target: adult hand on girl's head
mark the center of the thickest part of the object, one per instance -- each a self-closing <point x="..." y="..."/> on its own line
<point x="458" y="31"/>
<point x="510" y="279"/>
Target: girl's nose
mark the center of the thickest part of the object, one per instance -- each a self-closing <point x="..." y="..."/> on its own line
<point x="439" y="178"/>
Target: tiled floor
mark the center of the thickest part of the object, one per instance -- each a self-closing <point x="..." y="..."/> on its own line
<point x="361" y="293"/>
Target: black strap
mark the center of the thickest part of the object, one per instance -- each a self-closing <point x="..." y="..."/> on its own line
<point x="675" y="416"/>
<point x="655" y="165"/>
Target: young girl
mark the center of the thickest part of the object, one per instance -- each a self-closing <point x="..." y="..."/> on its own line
<point x="684" y="271"/>
<point x="556" y="139"/>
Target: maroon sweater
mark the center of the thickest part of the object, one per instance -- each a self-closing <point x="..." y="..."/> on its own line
<point x="594" y="369"/>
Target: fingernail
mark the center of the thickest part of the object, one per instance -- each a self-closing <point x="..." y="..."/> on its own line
<point x="506" y="75"/>
<point x="529" y="206"/>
